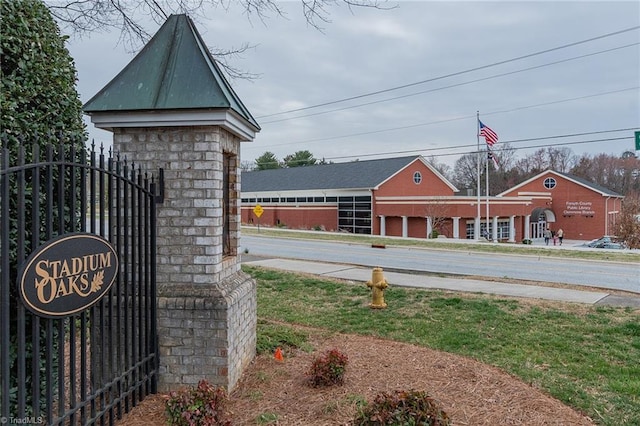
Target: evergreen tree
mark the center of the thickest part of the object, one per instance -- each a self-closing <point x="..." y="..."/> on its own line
<point x="267" y="161"/>
<point x="38" y="98"/>
<point x="299" y="159"/>
<point x="39" y="105"/>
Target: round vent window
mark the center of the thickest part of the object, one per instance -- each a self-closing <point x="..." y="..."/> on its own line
<point x="549" y="183"/>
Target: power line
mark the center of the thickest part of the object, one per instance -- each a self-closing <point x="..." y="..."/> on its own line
<point x="494" y="64"/>
<point x="541" y="138"/>
<point x="549" y="145"/>
<point x="499" y="149"/>
<point x="467" y="117"/>
<point x="454" y="85"/>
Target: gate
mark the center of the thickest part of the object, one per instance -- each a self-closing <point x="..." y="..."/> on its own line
<point x="93" y="365"/>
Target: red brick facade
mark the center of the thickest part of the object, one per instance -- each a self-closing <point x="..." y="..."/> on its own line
<point x="417" y="200"/>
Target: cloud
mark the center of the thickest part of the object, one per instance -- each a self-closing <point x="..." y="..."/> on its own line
<point x="380" y="27"/>
<point x="366" y="50"/>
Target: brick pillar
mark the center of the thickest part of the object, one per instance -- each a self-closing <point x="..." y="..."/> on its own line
<point x="206" y="305"/>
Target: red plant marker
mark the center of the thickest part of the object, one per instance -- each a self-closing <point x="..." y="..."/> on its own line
<point x="278" y="355"/>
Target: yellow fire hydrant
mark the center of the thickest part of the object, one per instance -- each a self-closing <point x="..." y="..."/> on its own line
<point x="378" y="283"/>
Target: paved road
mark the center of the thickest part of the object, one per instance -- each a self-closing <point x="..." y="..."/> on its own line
<point x="608" y="275"/>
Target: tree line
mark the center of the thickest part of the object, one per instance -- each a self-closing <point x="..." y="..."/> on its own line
<point x="268" y="161"/>
<point x="620" y="174"/>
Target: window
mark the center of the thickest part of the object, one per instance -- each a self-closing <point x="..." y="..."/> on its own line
<point x="354" y="214"/>
<point x="229" y="209"/>
<point x="417" y="178"/>
<point x="549" y="183"/>
<point x="502" y="229"/>
<point x="470" y="230"/>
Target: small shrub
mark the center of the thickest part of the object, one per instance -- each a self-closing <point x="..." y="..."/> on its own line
<point x="328" y="369"/>
<point x="526" y="241"/>
<point x="402" y="408"/>
<point x="267" y="418"/>
<point x="200" y="406"/>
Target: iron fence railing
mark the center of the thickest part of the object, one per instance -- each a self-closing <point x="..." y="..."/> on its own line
<point x="93" y="366"/>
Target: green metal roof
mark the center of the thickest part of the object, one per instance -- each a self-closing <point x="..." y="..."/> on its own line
<point x="174" y="71"/>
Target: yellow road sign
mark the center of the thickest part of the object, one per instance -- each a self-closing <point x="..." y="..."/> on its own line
<point x="258" y="210"/>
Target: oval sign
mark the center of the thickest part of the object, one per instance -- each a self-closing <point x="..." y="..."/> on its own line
<point x="67" y="275"/>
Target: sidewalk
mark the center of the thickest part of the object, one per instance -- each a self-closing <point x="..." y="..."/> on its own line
<point x="356" y="273"/>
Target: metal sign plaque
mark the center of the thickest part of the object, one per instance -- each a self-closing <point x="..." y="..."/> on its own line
<point x="67" y="275"/>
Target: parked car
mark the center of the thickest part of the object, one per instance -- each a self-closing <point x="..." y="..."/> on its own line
<point x="606" y="242"/>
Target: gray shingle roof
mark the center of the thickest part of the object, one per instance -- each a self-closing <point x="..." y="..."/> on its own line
<point x="353" y="175"/>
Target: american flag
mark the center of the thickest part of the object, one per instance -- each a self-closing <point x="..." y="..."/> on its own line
<point x="492" y="157"/>
<point x="489" y="135"/>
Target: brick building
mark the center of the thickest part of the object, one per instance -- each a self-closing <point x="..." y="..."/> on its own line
<point x="407" y="197"/>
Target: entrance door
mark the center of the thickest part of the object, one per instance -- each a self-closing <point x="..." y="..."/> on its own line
<point x="538" y="228"/>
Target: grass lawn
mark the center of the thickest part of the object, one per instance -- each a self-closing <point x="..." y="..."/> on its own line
<point x="588" y="357"/>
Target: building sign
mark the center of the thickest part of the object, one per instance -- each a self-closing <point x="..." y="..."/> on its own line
<point x="67" y="275"/>
<point x="582" y="208"/>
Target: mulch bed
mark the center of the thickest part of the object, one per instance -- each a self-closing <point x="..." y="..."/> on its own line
<point x="470" y="392"/>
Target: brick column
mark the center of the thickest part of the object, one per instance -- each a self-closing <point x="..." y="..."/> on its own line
<point x="206" y="305"/>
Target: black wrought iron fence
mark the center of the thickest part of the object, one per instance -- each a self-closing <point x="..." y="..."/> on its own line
<point x="90" y="364"/>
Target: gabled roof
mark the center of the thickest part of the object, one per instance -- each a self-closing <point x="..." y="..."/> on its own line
<point x="601" y="189"/>
<point x="575" y="179"/>
<point x="174" y="71"/>
<point x="353" y="175"/>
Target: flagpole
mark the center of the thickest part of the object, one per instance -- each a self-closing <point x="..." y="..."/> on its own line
<point x="487" y="193"/>
<point x="478" y="219"/>
<point x="490" y="138"/>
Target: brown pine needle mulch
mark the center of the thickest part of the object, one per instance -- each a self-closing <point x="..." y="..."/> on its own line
<point x="471" y="393"/>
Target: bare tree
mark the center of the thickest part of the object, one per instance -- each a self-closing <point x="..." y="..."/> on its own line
<point x="628" y="223"/>
<point x="439" y="213"/>
<point x="619" y="174"/>
<point x="506" y="156"/>
<point x="561" y="159"/>
<point x="630" y="176"/>
<point x="465" y="171"/>
<point x="442" y="168"/>
<point x="137" y="20"/>
<point x="501" y="176"/>
<point x="537" y="162"/>
<point x="247" y="166"/>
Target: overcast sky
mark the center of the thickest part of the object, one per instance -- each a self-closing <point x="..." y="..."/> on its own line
<point x="362" y="51"/>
